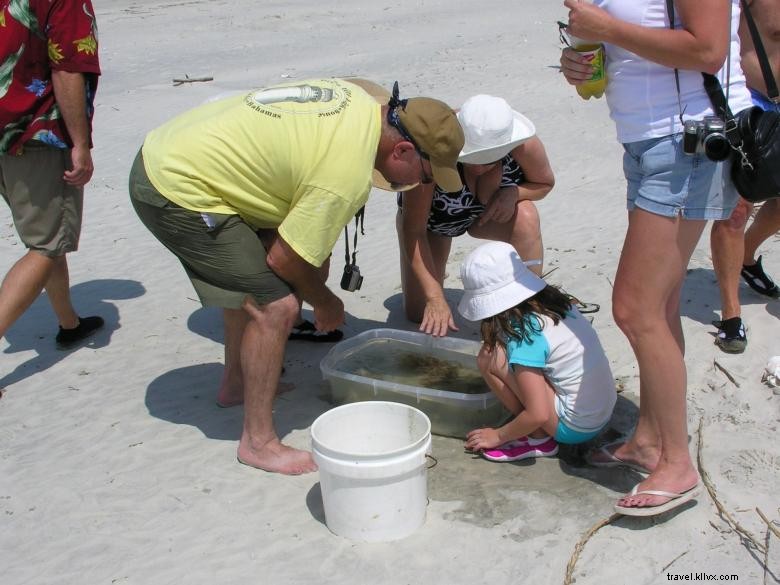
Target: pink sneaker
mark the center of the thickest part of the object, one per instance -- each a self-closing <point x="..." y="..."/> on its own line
<point x="515" y="451"/>
<point x="514" y="443"/>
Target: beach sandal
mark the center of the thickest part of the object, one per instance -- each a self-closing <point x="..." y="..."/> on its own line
<point x="70" y="338"/>
<point x="675" y="500"/>
<point x="306" y="331"/>
<point x="609" y="459"/>
<point x="731" y="336"/>
<point x="515" y="451"/>
<point x="758" y="280"/>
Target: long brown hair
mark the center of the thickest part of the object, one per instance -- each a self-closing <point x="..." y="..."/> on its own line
<point x="521" y="322"/>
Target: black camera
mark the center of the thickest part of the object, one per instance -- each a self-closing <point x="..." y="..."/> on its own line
<point x="708" y="136"/>
<point x="351" y="279"/>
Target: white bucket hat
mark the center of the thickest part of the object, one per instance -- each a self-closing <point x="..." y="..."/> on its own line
<point x="492" y="129"/>
<point x="495" y="279"/>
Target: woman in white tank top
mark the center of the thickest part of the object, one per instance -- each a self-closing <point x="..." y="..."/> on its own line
<point x="668" y="206"/>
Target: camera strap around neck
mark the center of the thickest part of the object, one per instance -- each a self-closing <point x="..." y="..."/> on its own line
<point x="359" y="219"/>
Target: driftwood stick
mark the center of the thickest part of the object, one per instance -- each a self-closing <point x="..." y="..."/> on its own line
<point x="705" y="478"/>
<point x="674" y="560"/>
<point x="728" y="374"/>
<point x="188" y="79"/>
<point x="766" y="555"/>
<point x="769" y="523"/>
<point x="581" y="545"/>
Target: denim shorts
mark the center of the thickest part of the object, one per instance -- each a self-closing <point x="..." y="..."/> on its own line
<point x="662" y="179"/>
<point x="763" y="102"/>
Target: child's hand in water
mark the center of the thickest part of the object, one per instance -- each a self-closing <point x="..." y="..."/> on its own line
<point x="479" y="439"/>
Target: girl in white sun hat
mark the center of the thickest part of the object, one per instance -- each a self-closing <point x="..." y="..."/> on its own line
<point x="539" y="356"/>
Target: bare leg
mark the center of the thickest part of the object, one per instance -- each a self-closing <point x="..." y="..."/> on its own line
<point x="647" y="287"/>
<point x="491" y="366"/>
<point x="495" y="369"/>
<point x="231" y="388"/>
<point x="22" y="285"/>
<point x="727" y="246"/>
<point x="262" y="352"/>
<point x="765" y="224"/>
<point x="523" y="232"/>
<point x="58" y="290"/>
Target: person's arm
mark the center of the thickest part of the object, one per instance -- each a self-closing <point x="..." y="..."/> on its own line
<point x="539" y="181"/>
<point x="534" y="396"/>
<point x="306" y="281"/>
<point x="700" y="45"/>
<point x="416" y="206"/>
<point x="70" y="95"/>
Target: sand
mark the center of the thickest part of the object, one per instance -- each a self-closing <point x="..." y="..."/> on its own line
<point x="116" y="467"/>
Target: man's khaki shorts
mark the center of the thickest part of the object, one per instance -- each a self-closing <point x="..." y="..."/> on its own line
<point x="224" y="258"/>
<point x="45" y="209"/>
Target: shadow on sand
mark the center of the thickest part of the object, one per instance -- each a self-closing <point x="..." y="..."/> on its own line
<point x="37" y="327"/>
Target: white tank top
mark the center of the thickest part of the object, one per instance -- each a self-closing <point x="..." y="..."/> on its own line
<point x="642" y="95"/>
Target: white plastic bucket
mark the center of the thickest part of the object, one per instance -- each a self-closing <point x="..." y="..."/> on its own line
<point x="372" y="465"/>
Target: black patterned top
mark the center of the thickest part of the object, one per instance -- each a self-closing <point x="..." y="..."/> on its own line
<point x="452" y="214"/>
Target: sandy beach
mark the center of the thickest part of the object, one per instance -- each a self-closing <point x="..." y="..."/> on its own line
<point x="117" y="467"/>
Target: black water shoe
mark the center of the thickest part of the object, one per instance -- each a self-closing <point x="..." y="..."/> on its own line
<point x="758" y="280"/>
<point x="69" y="338"/>
<point x="731" y="335"/>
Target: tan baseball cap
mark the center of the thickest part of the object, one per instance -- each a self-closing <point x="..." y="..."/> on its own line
<point x="433" y="128"/>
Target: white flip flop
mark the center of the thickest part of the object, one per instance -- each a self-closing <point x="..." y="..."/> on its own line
<point x="675" y="500"/>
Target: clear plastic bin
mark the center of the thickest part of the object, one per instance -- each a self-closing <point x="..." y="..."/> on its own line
<point x="452" y="414"/>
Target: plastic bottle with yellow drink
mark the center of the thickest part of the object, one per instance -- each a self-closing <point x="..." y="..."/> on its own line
<point x="594" y="53"/>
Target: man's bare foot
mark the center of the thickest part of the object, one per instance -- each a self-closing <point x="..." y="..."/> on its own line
<point x="227" y="399"/>
<point x="228" y="396"/>
<point x="276" y="457"/>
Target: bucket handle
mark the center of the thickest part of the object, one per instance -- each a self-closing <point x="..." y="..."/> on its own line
<point x="433" y="459"/>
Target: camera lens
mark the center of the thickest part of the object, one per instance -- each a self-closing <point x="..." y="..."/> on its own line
<point x="716" y="147"/>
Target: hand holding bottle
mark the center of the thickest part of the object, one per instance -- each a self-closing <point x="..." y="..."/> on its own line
<point x="583" y="64"/>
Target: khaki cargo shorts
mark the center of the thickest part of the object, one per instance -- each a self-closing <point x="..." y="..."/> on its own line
<point x="46" y="210"/>
<point x="224" y="258"/>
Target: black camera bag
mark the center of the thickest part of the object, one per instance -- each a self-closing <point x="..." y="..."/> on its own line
<point x="755" y="169"/>
<point x="754" y="134"/>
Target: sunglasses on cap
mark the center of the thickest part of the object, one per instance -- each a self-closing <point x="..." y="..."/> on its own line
<point x="392" y="118"/>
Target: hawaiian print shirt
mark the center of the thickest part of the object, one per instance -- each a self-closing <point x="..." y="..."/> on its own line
<point x="36" y="37"/>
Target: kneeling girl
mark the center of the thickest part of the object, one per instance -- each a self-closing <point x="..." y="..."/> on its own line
<point x="540" y="357"/>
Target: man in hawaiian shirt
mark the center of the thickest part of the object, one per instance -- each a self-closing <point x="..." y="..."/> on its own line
<point x="48" y="76"/>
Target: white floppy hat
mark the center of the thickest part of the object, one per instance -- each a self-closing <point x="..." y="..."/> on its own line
<point x="495" y="279"/>
<point x="492" y="129"/>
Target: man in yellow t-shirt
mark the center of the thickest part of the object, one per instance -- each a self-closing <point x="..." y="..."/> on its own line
<point x="291" y="164"/>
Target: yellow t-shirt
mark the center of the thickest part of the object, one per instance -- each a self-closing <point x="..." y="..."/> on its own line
<point x="297" y="157"/>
